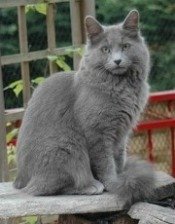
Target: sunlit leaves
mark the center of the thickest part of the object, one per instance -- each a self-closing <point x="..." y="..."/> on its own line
<point x="41" y="8"/>
<point x="60" y="62"/>
<point x="16" y="86"/>
<point x="38" y="80"/>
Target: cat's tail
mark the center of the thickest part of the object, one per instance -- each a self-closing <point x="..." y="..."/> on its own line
<point x="136" y="182"/>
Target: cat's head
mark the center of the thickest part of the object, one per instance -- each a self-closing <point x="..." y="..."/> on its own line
<point x="115" y="48"/>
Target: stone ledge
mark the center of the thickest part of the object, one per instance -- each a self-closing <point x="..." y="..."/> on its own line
<point x="14" y="203"/>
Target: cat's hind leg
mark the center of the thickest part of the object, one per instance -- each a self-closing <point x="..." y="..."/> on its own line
<point x="21" y="180"/>
<point x="40" y="185"/>
<point x="19" y="183"/>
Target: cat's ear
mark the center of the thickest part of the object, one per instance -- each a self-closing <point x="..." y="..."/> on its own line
<point x="131" y="21"/>
<point x="93" y="28"/>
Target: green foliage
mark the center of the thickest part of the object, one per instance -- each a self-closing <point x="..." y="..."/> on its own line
<point x="16" y="86"/>
<point x="37" y="40"/>
<point x="60" y="61"/>
<point x="30" y="220"/>
<point x="11" y="155"/>
<point x="163" y="72"/>
<point x="38" y="80"/>
<point x="41" y="8"/>
<point x="9" y="31"/>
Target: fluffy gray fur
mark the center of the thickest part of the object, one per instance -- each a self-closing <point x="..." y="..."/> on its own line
<point x="75" y="130"/>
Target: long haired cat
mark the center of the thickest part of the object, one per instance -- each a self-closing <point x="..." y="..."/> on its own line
<point x="75" y="130"/>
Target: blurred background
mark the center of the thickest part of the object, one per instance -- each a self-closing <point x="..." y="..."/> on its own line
<point x="157" y="24"/>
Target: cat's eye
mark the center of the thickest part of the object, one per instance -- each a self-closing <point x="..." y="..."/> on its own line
<point x="126" y="46"/>
<point x="106" y="49"/>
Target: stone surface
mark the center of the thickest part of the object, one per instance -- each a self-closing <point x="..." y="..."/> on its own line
<point x="152" y="214"/>
<point x="14" y="203"/>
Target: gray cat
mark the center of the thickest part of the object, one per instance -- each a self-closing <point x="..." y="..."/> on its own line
<point x="75" y="130"/>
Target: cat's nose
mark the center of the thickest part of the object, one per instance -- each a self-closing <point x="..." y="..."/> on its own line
<point x="117" y="62"/>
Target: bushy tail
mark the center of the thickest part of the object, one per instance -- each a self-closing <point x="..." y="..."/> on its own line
<point x="136" y="182"/>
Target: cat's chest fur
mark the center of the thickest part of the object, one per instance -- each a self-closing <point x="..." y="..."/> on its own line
<point x="101" y="110"/>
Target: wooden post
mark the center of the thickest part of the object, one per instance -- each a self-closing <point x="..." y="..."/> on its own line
<point x="50" y="20"/>
<point x="24" y="49"/>
<point x="3" y="149"/>
<point x="76" y="28"/>
<point x="87" y="7"/>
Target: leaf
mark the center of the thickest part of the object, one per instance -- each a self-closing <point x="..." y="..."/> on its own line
<point x="18" y="89"/>
<point x="41" y="8"/>
<point x="14" y="84"/>
<point x="38" y="80"/>
<point x="52" y="57"/>
<point x="30" y="220"/>
<point x="60" y="61"/>
<point x="29" y="7"/>
<point x="11" y="135"/>
<point x="62" y="64"/>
